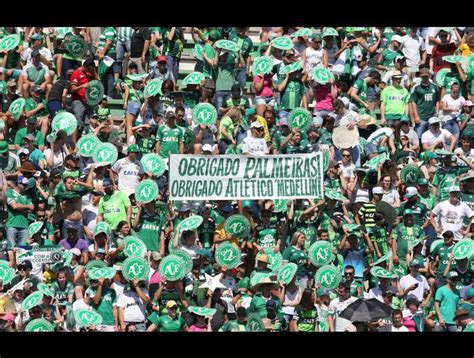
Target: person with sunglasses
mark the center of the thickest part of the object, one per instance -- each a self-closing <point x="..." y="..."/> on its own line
<point x="360" y="87"/>
<point x="356" y="286"/>
<point x="315" y="54"/>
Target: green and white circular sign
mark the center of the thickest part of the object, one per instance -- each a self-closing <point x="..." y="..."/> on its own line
<point x="228" y="254"/>
<point x="287" y="272"/>
<point x="320" y="253"/>
<point x="135" y="268"/>
<point x="86" y="145"/>
<point x="33" y="300"/>
<point x="275" y="259"/>
<point x="194" y="78"/>
<point x="280" y="206"/>
<point x="64" y="121"/>
<point x="227" y="45"/>
<point x="380" y="272"/>
<point x="45" y="289"/>
<point x="384" y="258"/>
<point x="262" y="65"/>
<point x="137" y="77"/>
<point x="293" y="67"/>
<point x="237" y="225"/>
<point x="95" y="264"/>
<point x="153" y="88"/>
<point x="300" y="118"/>
<point x="441" y="75"/>
<point x="254" y="323"/>
<point x="202" y="311"/>
<point x="411" y="173"/>
<point x="39" y="325"/>
<point x="321" y="75"/>
<point x="172" y="268"/>
<point x="257" y="277"/>
<point x="190" y="223"/>
<point x="400" y="269"/>
<point x="147" y="191"/>
<point x="329" y="31"/>
<point x="133" y="246"/>
<point x="94" y="93"/>
<point x="105" y="272"/>
<point x="199" y="49"/>
<point x="153" y="164"/>
<point x="302" y="32"/>
<point x="282" y="43"/>
<point x="105" y="153"/>
<point x="9" y="42"/>
<point x="16" y="108"/>
<point x="328" y="276"/>
<point x="6" y="274"/>
<point x="34" y="228"/>
<point x="76" y="46"/>
<point x="463" y="249"/>
<point x="453" y="58"/>
<point x="85" y="318"/>
<point x="205" y="113"/>
<point x="186" y="258"/>
<point x="102" y="227"/>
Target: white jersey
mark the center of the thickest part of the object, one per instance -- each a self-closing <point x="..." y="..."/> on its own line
<point x="336" y="307"/>
<point x="134" y="308"/>
<point x="129" y="174"/>
<point x="254" y="146"/>
<point x="452" y="216"/>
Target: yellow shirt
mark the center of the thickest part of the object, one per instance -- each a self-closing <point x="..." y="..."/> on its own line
<point x="263" y="122"/>
<point x="220" y="230"/>
<point x="465" y="50"/>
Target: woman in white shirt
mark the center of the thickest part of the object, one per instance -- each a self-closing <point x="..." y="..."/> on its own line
<point x="390" y="195"/>
<point x="55" y="155"/>
<point x="255" y="143"/>
<point x="453" y="104"/>
<point x="315" y="55"/>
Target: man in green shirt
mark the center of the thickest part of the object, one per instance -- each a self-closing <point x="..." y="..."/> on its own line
<point x="169" y="322"/>
<point x="387" y="58"/>
<point x="441" y="256"/>
<point x="103" y="300"/>
<point x="173" y="44"/>
<point x="420" y="211"/>
<point x="464" y="320"/>
<point x="402" y="235"/>
<point x="394" y="102"/>
<point x="169" y="137"/>
<point x="447" y="176"/>
<point x="359" y="89"/>
<point x="292" y="93"/>
<point x="18" y="206"/>
<point x="107" y="47"/>
<point x="246" y="46"/>
<point x="424" y="102"/>
<point x="115" y="206"/>
<point x="446" y="301"/>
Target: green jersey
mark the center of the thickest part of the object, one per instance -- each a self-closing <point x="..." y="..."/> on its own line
<point x="21" y="134"/>
<point x="5" y="247"/>
<point x="403" y="235"/>
<point x="62" y="293"/>
<point x="379" y="234"/>
<point x="446" y="177"/>
<point x="387" y="58"/>
<point x="246" y="46"/>
<point x="442" y="252"/>
<point x="362" y="89"/>
<point x="297" y="256"/>
<point x="206" y="233"/>
<point x="307" y="319"/>
<point x="173" y="47"/>
<point x="420" y="211"/>
<point x="166" y="323"/>
<point x="125" y="34"/>
<point x="266" y="236"/>
<point x="169" y="139"/>
<point x="429" y="200"/>
<point x="105" y="307"/>
<point x="425" y="98"/>
<point x="292" y="95"/>
<point x="468" y="198"/>
<point x="146" y="144"/>
<point x="108" y="34"/>
<point x="114" y="208"/>
<point x="258" y="305"/>
<point x="226" y="73"/>
<point x="448" y="301"/>
<point x="17" y="218"/>
<point x="367" y="212"/>
<point x="395" y="100"/>
<point x="150" y="226"/>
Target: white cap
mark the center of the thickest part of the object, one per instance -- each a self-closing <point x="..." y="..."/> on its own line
<point x="397" y="38"/>
<point x="377" y="190"/>
<point x="256" y="125"/>
<point x="207" y="148"/>
<point x="346" y="101"/>
<point x="23" y="151"/>
<point x="75" y="251"/>
<point x="434" y="120"/>
<point x="411" y="192"/>
<point x="453" y="189"/>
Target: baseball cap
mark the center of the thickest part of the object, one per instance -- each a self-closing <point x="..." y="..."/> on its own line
<point x="377" y="190"/>
<point x="31" y="120"/>
<point x="209" y="84"/>
<point x="22" y="180"/>
<point x="247" y="204"/>
<point x="156" y="256"/>
<point x="133" y="148"/>
<point x="453" y="275"/>
<point x="453" y="189"/>
<point x="97" y="193"/>
<point x="36" y="88"/>
<point x="315" y="36"/>
<point x="250" y="111"/>
<point x="263" y="258"/>
<point x="460" y="313"/>
<point x="11" y="83"/>
<point x="283" y="122"/>
<point x="434" y="120"/>
<point x="207" y="148"/>
<point x="36" y="37"/>
<point x="107" y="183"/>
<point x="161" y="58"/>
<point x="75" y="251"/>
<point x="170" y="114"/>
<point x="3" y="147"/>
<point x="26" y="264"/>
<point x="407" y="212"/>
<point x="414" y="262"/>
<point x="23" y="151"/>
<point x="397" y="38"/>
<point x="468" y="103"/>
<point x="185" y="207"/>
<point x="228" y="208"/>
<point x="425" y="72"/>
<point x="171" y="304"/>
<point x="470" y="292"/>
<point x="255" y="125"/>
<point x="422" y="181"/>
<point x="322" y="292"/>
<point x="411" y="192"/>
<point x="397" y="74"/>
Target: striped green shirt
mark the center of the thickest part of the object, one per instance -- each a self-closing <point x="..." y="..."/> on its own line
<point x="108" y="34"/>
<point x="125" y="33"/>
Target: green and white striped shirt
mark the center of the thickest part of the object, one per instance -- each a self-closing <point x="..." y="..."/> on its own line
<point x="125" y="33"/>
<point x="108" y="34"/>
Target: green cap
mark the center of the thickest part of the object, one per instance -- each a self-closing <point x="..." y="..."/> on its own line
<point x="423" y="181"/>
<point x="414" y="262"/>
<point x="247" y="204"/>
<point x="133" y="148"/>
<point x="244" y="283"/>
<point x="3" y="147"/>
<point x="407" y="212"/>
<point x="316" y="36"/>
<point x="321" y="292"/>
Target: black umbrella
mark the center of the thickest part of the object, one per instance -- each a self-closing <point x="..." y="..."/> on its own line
<point x="388" y="210"/>
<point x="364" y="310"/>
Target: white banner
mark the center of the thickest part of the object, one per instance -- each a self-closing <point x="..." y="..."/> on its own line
<point x="39" y="254"/>
<point x="239" y="177"/>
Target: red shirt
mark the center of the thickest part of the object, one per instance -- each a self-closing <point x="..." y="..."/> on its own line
<point x="79" y="78"/>
<point x="437" y="55"/>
